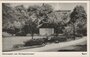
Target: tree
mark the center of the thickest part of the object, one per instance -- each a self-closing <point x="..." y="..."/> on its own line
<point x="21" y="15"/>
<point x="44" y="11"/>
<point x="77" y="16"/>
<point x="31" y="21"/>
<point x="8" y="18"/>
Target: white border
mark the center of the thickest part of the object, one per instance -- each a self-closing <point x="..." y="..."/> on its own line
<point x="53" y="54"/>
<point x="44" y="1"/>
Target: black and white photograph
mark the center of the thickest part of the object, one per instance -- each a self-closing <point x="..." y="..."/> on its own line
<point x="44" y="27"/>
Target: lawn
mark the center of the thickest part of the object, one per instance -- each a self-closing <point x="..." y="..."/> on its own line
<point x="9" y="42"/>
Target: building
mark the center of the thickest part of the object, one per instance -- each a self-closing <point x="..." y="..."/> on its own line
<point x="46" y="31"/>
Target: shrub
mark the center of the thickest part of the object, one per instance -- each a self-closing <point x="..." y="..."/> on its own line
<point x="55" y="39"/>
<point x="33" y="42"/>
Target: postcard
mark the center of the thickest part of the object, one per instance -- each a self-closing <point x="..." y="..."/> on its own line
<point x="45" y="28"/>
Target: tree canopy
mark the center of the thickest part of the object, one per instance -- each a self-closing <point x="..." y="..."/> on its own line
<point x="78" y="22"/>
<point x="19" y="19"/>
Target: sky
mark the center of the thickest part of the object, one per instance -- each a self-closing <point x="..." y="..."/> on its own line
<point x="56" y="6"/>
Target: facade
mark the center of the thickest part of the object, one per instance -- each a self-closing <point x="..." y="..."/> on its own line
<point x="46" y="31"/>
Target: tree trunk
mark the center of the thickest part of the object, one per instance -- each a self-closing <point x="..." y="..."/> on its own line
<point x="73" y="31"/>
<point x="32" y="35"/>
